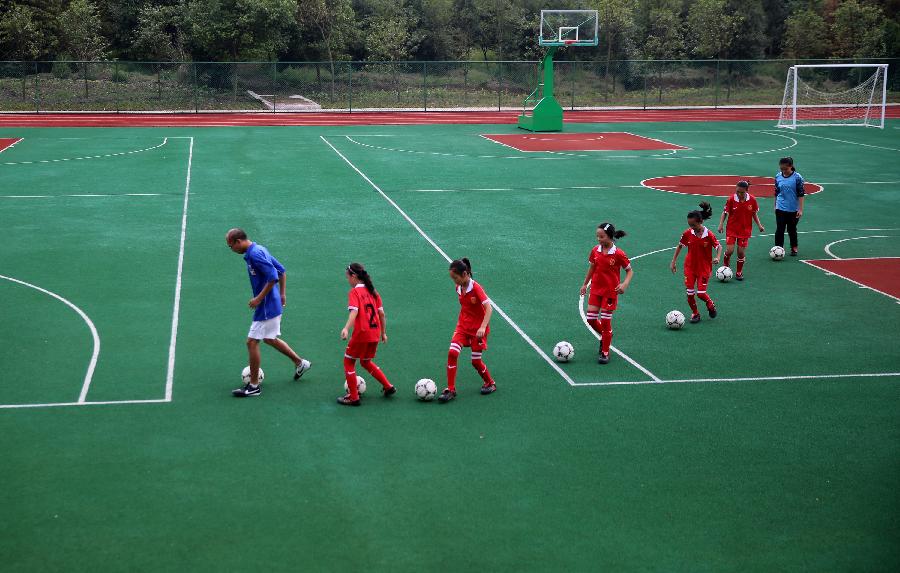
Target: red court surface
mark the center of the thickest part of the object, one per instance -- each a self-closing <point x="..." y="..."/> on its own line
<point x="880" y="274"/>
<point x="605" y="141"/>
<point x="6" y="142"/>
<point x="718" y="185"/>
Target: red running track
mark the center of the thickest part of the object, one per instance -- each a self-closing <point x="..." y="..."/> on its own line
<point x="371" y="118"/>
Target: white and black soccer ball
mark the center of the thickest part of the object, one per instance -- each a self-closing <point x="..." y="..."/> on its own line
<point x="674" y="320"/>
<point x="426" y="389"/>
<point x="724" y="274"/>
<point x="777" y="253"/>
<point x="245" y="375"/>
<point x="563" y="351"/>
<point x="360" y="385"/>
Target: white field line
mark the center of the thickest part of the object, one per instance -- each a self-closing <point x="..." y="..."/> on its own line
<point x="165" y="140"/>
<point x="627" y="358"/>
<point x="831" y="244"/>
<point x="58" y="404"/>
<point x="81" y="195"/>
<point x="13" y="144"/>
<point x="434" y="245"/>
<point x="750" y="379"/>
<point x="831" y="272"/>
<point x="89" y="375"/>
<point x="848" y="142"/>
<point x="176" y="306"/>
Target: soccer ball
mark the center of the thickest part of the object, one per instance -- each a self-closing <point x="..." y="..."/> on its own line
<point x="724" y="274"/>
<point x="563" y="351"/>
<point x="777" y="253"/>
<point x="674" y="320"/>
<point x="360" y="385"/>
<point x="245" y="375"/>
<point x="426" y="389"/>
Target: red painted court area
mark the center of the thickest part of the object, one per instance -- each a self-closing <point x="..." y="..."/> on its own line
<point x="605" y="141"/>
<point x="718" y="185"/>
<point x="879" y="274"/>
<point x="6" y="142"/>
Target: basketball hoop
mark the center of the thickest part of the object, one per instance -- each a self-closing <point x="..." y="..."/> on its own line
<point x="570" y="42"/>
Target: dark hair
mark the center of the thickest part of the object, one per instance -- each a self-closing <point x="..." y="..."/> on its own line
<point x="702" y="214"/>
<point x="359" y="271"/>
<point x="787" y="161"/>
<point x="460" y="266"/>
<point x="236" y="234"/>
<point x="743" y="184"/>
<point x="610" y="231"/>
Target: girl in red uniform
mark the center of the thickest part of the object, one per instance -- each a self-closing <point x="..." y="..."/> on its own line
<point x="741" y="208"/>
<point x="472" y="328"/>
<point x="606" y="262"/>
<point x="367" y="319"/>
<point x="698" y="264"/>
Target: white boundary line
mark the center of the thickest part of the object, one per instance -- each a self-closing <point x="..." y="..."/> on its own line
<point x="13" y="144"/>
<point x="831" y="244"/>
<point x="89" y="375"/>
<point x="751" y="379"/>
<point x="627" y="358"/>
<point x="566" y="152"/>
<point x="35" y="162"/>
<point x="643" y="184"/>
<point x="848" y="142"/>
<point x="812" y="263"/>
<point x="425" y="236"/>
<point x="176" y="306"/>
<point x="56" y="404"/>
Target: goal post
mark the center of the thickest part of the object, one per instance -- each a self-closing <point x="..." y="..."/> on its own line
<point x="834" y="94"/>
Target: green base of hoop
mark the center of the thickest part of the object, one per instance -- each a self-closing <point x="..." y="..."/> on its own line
<point x="546" y="116"/>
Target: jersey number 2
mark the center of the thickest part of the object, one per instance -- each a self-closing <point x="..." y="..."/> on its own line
<point x="370" y="308"/>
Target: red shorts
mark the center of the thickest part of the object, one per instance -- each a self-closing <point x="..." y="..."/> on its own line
<point x="729" y="240"/>
<point x="361" y="350"/>
<point x="462" y="339"/>
<point x="607" y="303"/>
<point x="690" y="279"/>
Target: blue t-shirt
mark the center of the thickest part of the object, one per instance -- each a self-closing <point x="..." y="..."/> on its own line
<point x="263" y="268"/>
<point x="788" y="191"/>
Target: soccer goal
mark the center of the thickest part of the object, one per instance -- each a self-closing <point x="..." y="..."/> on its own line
<point x="834" y="94"/>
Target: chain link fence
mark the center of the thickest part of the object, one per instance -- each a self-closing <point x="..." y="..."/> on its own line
<point x="356" y="86"/>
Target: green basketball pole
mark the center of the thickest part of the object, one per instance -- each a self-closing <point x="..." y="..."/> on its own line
<point x="547" y="114"/>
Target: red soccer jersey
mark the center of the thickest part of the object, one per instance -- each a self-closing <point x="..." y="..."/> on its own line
<point x="607" y="270"/>
<point x="367" y="326"/>
<point x="699" y="257"/>
<point x="472" y="301"/>
<point x="740" y="216"/>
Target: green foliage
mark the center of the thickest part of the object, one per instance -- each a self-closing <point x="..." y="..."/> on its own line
<point x="21" y="37"/>
<point x="806" y="35"/>
<point x="858" y="30"/>
<point x="159" y="34"/>
<point x="713" y="28"/>
<point x="81" y="26"/>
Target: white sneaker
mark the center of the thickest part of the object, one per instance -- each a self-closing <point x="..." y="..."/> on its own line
<point x="304" y="366"/>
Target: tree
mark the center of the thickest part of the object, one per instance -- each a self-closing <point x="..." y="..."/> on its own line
<point x="713" y="28"/>
<point x="806" y="35"/>
<point x="81" y="31"/>
<point x="236" y="30"/>
<point x="332" y="23"/>
<point x="21" y="38"/>
<point x="858" y="30"/>
<point x="617" y="25"/>
<point x="159" y="34"/>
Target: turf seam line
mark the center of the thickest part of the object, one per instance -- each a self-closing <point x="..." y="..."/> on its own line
<point x="499" y="310"/>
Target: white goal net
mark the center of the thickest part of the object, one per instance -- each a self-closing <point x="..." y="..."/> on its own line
<point x="834" y="94"/>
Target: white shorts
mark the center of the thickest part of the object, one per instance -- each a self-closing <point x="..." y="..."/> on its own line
<point x="265" y="329"/>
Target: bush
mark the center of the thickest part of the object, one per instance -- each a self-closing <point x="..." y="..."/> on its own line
<point x="61" y="70"/>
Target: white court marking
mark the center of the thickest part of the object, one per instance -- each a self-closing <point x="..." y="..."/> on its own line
<point x="831" y="244"/>
<point x="82" y="399"/>
<point x="846" y="278"/>
<point x="92" y="364"/>
<point x="119" y="154"/>
<point x="847" y="142"/>
<point x="434" y="245"/>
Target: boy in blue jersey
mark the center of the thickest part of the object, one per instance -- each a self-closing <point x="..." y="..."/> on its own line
<point x="267" y="281"/>
<point x="789" y="197"/>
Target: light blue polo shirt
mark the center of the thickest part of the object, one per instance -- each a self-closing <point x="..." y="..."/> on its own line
<point x="788" y="191"/>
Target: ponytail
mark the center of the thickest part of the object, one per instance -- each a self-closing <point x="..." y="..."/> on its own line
<point x="787" y="161"/>
<point x="704" y="213"/>
<point x="460" y="266"/>
<point x="359" y="271"/>
<point x="611" y="231"/>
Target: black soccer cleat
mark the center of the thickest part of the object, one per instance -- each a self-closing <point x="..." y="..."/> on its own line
<point x="386" y="392"/>
<point x="794" y="252"/>
<point x="488" y="389"/>
<point x="246" y="391"/>
<point x="603" y="358"/>
<point x="695" y="318"/>
<point x="346" y="401"/>
<point x="446" y="395"/>
<point x="712" y="312"/>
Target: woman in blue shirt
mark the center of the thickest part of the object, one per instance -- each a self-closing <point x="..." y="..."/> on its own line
<point x="789" y="196"/>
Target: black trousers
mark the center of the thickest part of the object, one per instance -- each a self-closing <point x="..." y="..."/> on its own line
<point x="789" y="220"/>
